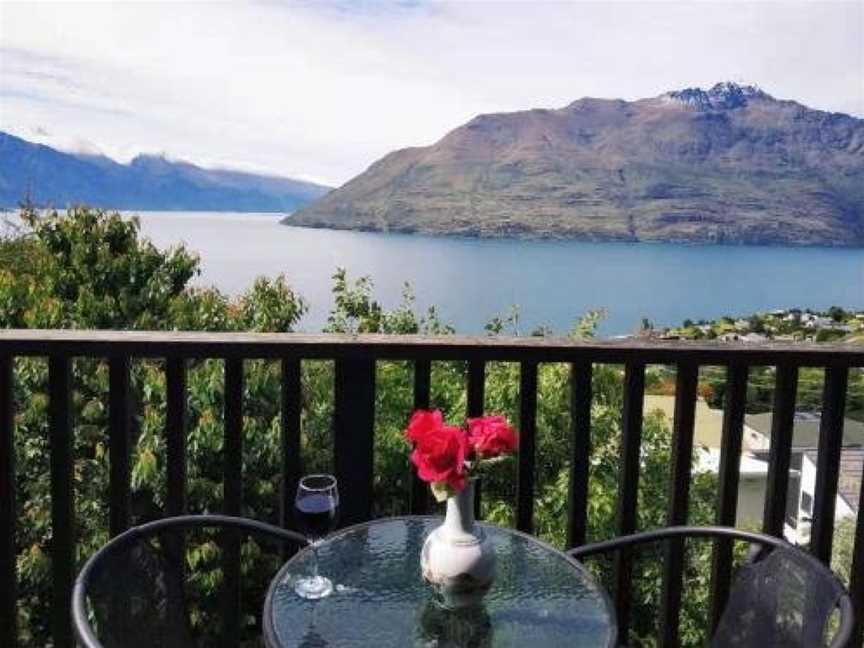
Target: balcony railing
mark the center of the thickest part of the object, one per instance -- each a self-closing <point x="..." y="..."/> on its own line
<point x="354" y="415"/>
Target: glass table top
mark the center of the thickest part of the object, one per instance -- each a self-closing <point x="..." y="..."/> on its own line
<point x="540" y="597"/>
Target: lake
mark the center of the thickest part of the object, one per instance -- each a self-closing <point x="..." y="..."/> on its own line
<point x="552" y="282"/>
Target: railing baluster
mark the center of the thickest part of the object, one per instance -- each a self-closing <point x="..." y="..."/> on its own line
<point x="175" y="435"/>
<point x="233" y="499"/>
<point x="422" y="388"/>
<point x="580" y="422"/>
<point x="8" y="519"/>
<point x="828" y="461"/>
<point x="527" y="434"/>
<point x="354" y="431"/>
<point x="292" y="465"/>
<point x="682" y="456"/>
<point x="119" y="416"/>
<point x="631" y="441"/>
<point x="727" y="503"/>
<point x="62" y="504"/>
<point x="476" y="400"/>
<point x="782" y="424"/>
<point x="233" y="444"/>
<point x="175" y="454"/>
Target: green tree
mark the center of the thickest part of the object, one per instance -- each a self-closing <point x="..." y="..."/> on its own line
<point x="837" y="314"/>
<point x="843" y="547"/>
<point x="90" y="268"/>
<point x="756" y="323"/>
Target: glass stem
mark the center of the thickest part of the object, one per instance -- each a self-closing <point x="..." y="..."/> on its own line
<point x="315" y="559"/>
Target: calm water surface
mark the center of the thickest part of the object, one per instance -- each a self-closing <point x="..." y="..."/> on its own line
<point x="552" y="282"/>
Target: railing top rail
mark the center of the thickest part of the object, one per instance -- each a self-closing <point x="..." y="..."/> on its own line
<point x="40" y="342"/>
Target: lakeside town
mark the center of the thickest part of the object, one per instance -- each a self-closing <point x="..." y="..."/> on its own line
<point x="835" y="324"/>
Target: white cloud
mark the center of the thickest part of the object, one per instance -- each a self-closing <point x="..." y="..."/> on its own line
<point x="323" y="90"/>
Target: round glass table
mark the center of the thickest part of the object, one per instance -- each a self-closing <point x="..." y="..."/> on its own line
<point x="540" y="597"/>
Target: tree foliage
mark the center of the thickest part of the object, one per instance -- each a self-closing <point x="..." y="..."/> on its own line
<point x="92" y="269"/>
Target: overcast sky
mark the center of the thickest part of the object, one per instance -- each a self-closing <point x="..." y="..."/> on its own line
<point x="322" y="89"/>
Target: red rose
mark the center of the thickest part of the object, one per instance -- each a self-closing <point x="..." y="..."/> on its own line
<point x="491" y="436"/>
<point x="423" y="423"/>
<point x="440" y="456"/>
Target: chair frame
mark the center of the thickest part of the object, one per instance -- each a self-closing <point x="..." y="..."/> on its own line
<point x="843" y="636"/>
<point x="84" y="633"/>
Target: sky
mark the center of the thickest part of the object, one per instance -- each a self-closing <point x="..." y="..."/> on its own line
<point x="320" y="90"/>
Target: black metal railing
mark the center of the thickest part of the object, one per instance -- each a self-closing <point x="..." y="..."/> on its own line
<point x="355" y="360"/>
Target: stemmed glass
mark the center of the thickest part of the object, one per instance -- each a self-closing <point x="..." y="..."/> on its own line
<point x="317" y="508"/>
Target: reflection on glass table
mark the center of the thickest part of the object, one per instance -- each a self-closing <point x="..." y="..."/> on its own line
<point x="540" y="598"/>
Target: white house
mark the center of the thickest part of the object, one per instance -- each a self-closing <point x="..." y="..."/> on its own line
<point x="805" y="431"/>
<point x="802" y="473"/>
<point x="707" y="436"/>
<point x="754" y="338"/>
<point x="753" y="466"/>
<point x="800" y="510"/>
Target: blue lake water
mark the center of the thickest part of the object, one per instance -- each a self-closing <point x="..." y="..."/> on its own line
<point x="552" y="282"/>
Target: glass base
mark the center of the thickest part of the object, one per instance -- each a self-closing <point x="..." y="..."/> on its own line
<point x="313" y="587"/>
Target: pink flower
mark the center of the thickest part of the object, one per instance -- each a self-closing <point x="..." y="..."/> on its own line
<point x="440" y="456"/>
<point x="491" y="436"/>
<point x="423" y="423"/>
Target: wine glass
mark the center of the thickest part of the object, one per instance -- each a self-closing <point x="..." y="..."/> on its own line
<point x="317" y="508"/>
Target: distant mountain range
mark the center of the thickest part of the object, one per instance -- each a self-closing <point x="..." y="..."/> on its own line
<point x="727" y="165"/>
<point x="49" y="177"/>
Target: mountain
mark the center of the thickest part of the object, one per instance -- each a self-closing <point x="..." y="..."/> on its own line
<point x="728" y="165"/>
<point x="51" y="177"/>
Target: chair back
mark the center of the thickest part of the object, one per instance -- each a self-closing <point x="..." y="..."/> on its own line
<point x="782" y="597"/>
<point x="138" y="595"/>
<point x="167" y="583"/>
<point x="785" y="599"/>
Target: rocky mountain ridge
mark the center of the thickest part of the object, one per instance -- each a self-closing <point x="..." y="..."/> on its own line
<point x="730" y="164"/>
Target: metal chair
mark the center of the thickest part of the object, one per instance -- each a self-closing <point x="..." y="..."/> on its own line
<point x="145" y="587"/>
<point x="781" y="597"/>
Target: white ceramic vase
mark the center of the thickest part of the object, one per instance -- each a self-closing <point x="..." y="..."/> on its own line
<point x="457" y="557"/>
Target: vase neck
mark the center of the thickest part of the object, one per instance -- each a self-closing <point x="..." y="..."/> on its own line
<point x="460" y="512"/>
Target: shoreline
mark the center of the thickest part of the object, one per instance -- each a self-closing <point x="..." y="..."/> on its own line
<point x="574" y="239"/>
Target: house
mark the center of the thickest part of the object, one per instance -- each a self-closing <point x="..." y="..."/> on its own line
<point x="805" y="431"/>
<point x="752" y="478"/>
<point x="708" y="424"/>
<point x="707" y="436"/>
<point x="811" y="321"/>
<point x="802" y="467"/>
<point x="799" y="509"/>
<point x="754" y="338"/>
<point x="753" y="466"/>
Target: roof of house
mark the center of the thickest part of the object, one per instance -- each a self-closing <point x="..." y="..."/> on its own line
<point x="708" y="460"/>
<point x="851" y="473"/>
<point x="708" y="426"/>
<point x="805" y="432"/>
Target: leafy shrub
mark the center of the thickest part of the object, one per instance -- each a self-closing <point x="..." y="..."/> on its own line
<point x="91" y="269"/>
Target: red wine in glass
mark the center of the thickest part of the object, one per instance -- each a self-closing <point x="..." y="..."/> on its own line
<point x="317" y="510"/>
<point x="317" y="515"/>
